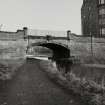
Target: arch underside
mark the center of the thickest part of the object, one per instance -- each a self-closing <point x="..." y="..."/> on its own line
<point x="59" y="50"/>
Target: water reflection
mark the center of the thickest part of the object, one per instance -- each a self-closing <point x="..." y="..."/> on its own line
<point x="64" y="65"/>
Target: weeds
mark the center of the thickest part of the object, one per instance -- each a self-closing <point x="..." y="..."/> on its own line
<point x="91" y="93"/>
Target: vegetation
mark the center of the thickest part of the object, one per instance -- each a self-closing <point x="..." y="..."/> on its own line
<point x="89" y="91"/>
<point x="9" y="67"/>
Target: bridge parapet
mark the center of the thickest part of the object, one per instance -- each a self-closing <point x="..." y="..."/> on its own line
<point x="62" y="40"/>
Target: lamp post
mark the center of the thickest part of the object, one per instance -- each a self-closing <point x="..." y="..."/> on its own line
<point x="91" y="43"/>
<point x="90" y="29"/>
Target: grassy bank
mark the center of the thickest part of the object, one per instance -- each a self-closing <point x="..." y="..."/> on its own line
<point x="8" y="67"/>
<point x="89" y="91"/>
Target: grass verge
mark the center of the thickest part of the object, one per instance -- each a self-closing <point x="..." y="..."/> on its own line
<point x="90" y="92"/>
<point x="8" y="67"/>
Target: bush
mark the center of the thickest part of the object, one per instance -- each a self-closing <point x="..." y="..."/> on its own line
<point x="91" y="93"/>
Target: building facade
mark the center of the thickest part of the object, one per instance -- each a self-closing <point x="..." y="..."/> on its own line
<point x="93" y="18"/>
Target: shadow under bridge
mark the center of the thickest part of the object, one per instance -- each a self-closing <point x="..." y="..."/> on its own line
<point x="59" y="50"/>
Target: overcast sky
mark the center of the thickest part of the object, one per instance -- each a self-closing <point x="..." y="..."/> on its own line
<point x="41" y="14"/>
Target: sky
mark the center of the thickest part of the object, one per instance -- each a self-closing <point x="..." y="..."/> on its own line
<point x="58" y="15"/>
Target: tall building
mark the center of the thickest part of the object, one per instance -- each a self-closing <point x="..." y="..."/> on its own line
<point x="93" y="18"/>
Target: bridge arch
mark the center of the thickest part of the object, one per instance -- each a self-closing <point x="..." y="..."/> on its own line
<point x="59" y="50"/>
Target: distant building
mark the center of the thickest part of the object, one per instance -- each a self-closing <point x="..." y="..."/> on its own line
<point x="93" y="18"/>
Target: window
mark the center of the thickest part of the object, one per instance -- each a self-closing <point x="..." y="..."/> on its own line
<point x="100" y="31"/>
<point x="89" y="8"/>
<point x="102" y="21"/>
<point x="102" y="11"/>
<point x="84" y="16"/>
<point x="101" y="1"/>
<point x="103" y="31"/>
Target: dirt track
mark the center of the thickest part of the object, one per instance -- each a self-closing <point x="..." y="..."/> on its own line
<point x="31" y="86"/>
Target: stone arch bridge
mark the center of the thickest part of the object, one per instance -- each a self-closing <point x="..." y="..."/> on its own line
<point x="59" y="50"/>
<point x="58" y="45"/>
<point x="82" y="48"/>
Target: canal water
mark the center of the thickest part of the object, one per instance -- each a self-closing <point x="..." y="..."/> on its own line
<point x="64" y="66"/>
<point x="42" y="53"/>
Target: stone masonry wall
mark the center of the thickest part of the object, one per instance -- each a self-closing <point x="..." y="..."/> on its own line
<point x="12" y="44"/>
<point x="12" y="49"/>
